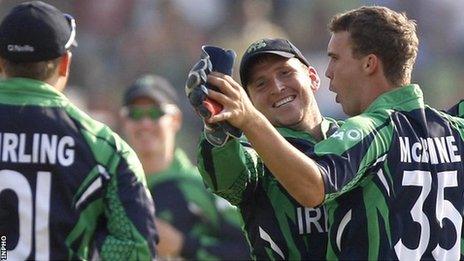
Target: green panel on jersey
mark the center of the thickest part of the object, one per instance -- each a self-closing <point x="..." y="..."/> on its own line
<point x="85" y="228"/>
<point x="379" y="147"/>
<point x="234" y="156"/>
<point x="237" y="166"/>
<point x="461" y="109"/>
<point x="270" y="253"/>
<point x="395" y="100"/>
<point x="38" y="93"/>
<point x="115" y="247"/>
<point x="373" y="209"/>
<point x="284" y="210"/>
<point x="289" y="133"/>
<point x="350" y="134"/>
<point x="387" y="173"/>
<point x="91" y="177"/>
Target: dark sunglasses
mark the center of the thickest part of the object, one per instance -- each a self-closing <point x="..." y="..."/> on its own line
<point x="138" y="113"/>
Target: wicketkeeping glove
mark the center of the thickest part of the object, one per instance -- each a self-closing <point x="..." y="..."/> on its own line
<point x="212" y="59"/>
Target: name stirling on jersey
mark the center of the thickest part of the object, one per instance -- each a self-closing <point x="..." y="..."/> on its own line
<point x="435" y="150"/>
<point x="41" y="148"/>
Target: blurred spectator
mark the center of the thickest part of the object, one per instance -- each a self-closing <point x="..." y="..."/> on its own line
<point x="192" y="222"/>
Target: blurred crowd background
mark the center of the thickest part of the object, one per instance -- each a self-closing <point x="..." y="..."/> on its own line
<point x="120" y="40"/>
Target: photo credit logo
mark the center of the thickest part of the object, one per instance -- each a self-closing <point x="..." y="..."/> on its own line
<point x="3" y="255"/>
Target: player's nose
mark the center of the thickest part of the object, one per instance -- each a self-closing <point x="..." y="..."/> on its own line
<point x="277" y="85"/>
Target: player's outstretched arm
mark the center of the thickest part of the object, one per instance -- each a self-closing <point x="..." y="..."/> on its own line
<point x="299" y="174"/>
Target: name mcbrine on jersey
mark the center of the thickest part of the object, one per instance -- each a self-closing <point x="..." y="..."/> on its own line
<point x="435" y="150"/>
<point x="40" y="148"/>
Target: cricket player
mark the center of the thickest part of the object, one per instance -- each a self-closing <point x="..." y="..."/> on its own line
<point x="69" y="186"/>
<point x="391" y="177"/>
<point x="281" y="84"/>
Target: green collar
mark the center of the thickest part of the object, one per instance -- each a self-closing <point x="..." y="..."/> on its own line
<point x="290" y="133"/>
<point x="28" y="91"/>
<point x="406" y="97"/>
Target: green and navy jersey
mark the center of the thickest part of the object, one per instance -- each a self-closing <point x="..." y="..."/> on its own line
<point x="211" y="226"/>
<point x="69" y="186"/>
<point x="276" y="225"/>
<point x="394" y="181"/>
<point x="457" y="110"/>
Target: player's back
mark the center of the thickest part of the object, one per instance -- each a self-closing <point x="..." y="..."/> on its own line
<point x="55" y="165"/>
<point x="394" y="181"/>
<point x="426" y="172"/>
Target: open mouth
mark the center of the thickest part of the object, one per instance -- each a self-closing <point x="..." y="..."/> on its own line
<point x="284" y="101"/>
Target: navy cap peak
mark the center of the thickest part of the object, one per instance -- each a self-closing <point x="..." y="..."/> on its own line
<point x="281" y="47"/>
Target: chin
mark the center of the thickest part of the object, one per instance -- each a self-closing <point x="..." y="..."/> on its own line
<point x="289" y="123"/>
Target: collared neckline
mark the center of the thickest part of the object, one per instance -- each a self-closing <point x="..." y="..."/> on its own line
<point x="397" y="97"/>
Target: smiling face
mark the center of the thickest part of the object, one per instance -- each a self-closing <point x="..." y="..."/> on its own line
<point x="346" y="74"/>
<point x="148" y="136"/>
<point x="282" y="89"/>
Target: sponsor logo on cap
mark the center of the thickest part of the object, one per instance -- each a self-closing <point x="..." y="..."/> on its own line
<point x="256" y="46"/>
<point x="20" y="48"/>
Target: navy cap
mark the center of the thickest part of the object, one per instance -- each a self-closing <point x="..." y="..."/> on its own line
<point x="153" y="87"/>
<point x="281" y="47"/>
<point x="36" y="31"/>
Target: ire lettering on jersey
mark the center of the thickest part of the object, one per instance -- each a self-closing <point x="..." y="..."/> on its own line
<point x="311" y="220"/>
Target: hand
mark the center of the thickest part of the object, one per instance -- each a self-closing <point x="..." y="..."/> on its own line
<point x="171" y="239"/>
<point x="197" y="87"/>
<point x="238" y="109"/>
<point x="196" y="90"/>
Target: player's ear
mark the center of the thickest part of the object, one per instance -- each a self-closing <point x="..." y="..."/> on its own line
<point x="315" y="80"/>
<point x="65" y="64"/>
<point x="175" y="116"/>
<point x="2" y="70"/>
<point x="177" y="119"/>
<point x="370" y="63"/>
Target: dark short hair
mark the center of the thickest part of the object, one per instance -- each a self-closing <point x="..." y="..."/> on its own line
<point x="383" y="32"/>
<point x="262" y="58"/>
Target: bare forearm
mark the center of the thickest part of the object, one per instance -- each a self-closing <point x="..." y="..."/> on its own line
<point x="295" y="171"/>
